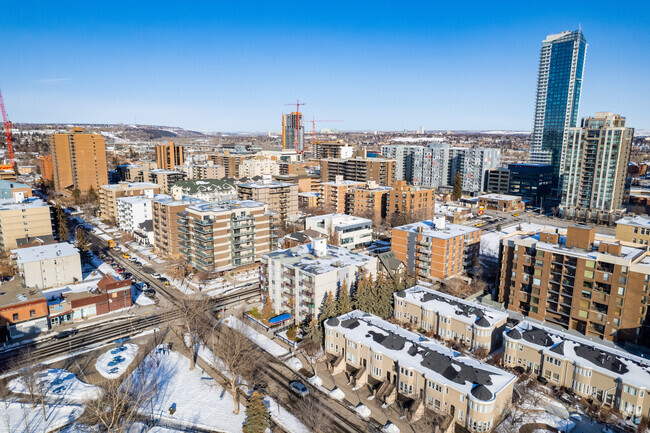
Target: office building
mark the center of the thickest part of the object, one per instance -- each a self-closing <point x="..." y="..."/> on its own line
<point x="22" y="220"/>
<point x="359" y="169"/>
<point x="576" y="279"/>
<point x="351" y="232"/>
<point x="596" y="159"/>
<point x="559" y="83"/>
<point x="498" y="180"/>
<point x="168" y="156"/>
<point x="298" y="279"/>
<point x="282" y="197"/>
<point x="474" y="393"/>
<point x="411" y="201"/>
<point x="78" y="160"/>
<point x="45" y="167"/>
<point x="48" y="265"/>
<point x="334" y="195"/>
<point x="206" y="189"/>
<point x="108" y="195"/>
<point x="165" y="212"/>
<point x="293" y="132"/>
<point x="532" y="182"/>
<point x="225" y="235"/>
<point x="500" y="202"/>
<point x="370" y="201"/>
<point x="434" y="249"/>
<point x="612" y="378"/>
<point x="333" y="149"/>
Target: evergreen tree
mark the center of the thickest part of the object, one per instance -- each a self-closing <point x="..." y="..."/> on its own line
<point x="92" y="194"/>
<point x="61" y="224"/>
<point x="82" y="243"/>
<point x="257" y="414"/>
<point x="363" y="295"/>
<point x="314" y="333"/>
<point x="329" y="307"/>
<point x="384" y="304"/>
<point x="458" y="187"/>
<point x="76" y="194"/>
<point x="344" y="304"/>
<point x="267" y="310"/>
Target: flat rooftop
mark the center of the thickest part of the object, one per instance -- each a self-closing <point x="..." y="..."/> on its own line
<point x="437" y="362"/>
<point x="634" y="370"/>
<point x="267" y="184"/>
<point x="635" y="221"/>
<point x="134" y="185"/>
<point x="302" y="257"/>
<point x="13" y="293"/>
<point x="44" y="252"/>
<point x="450" y="306"/>
<point x="428" y="228"/>
<point x="135" y="199"/>
<point x="343" y="183"/>
<point x="504" y="197"/>
<point x="28" y="203"/>
<point x="223" y="205"/>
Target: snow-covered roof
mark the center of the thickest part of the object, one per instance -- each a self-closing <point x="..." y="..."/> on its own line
<point x="435" y="361"/>
<point x="343" y="183"/>
<point x="267" y="184"/>
<point x="44" y="252"/>
<point x="430" y="228"/>
<point x="632" y="370"/>
<point x="136" y="199"/>
<point x="501" y="197"/>
<point x="223" y="205"/>
<point x="302" y="257"/>
<point x="29" y="203"/>
<point x="129" y="185"/>
<point x="339" y="220"/>
<point x="635" y="221"/>
<point x="451" y="306"/>
<point x="167" y="200"/>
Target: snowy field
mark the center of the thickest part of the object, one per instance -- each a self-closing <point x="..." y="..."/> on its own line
<point x="16" y="417"/>
<point x="113" y="363"/>
<point x="57" y="385"/>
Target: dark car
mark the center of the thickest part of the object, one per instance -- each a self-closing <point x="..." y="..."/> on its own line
<point x="299" y="388"/>
<point x="64" y="334"/>
<point x="150" y="293"/>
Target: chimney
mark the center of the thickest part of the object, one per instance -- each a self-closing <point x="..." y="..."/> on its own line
<point x="319" y="246"/>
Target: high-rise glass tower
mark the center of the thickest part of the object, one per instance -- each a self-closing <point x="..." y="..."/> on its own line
<point x="561" y="64"/>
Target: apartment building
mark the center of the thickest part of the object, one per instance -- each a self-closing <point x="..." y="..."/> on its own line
<point x="347" y="231"/>
<point x="594" y="166"/>
<point x="45" y="168"/>
<point x="294" y="167"/>
<point x="78" y="160"/>
<point x="23" y="310"/>
<point x="498" y="180"/>
<point x="370" y="200"/>
<point x="258" y="166"/>
<point x="133" y="211"/>
<point x="203" y="171"/>
<point x="434" y="249"/>
<point x="306" y="182"/>
<point x="450" y="318"/>
<point x="501" y="202"/>
<point x="411" y="201"/>
<point x="334" y="195"/>
<point x="359" y="169"/>
<point x="308" y="200"/>
<point x="611" y="377"/>
<point x="14" y="190"/>
<point x="282" y="197"/>
<point x="169" y="155"/>
<point x="475" y="394"/>
<point x="165" y="179"/>
<point x="48" y="265"/>
<point x="23" y="220"/>
<point x="206" y="190"/>
<point x="577" y="279"/>
<point x="224" y="235"/>
<point x="635" y="229"/>
<point x="108" y="195"/>
<point x="332" y="149"/>
<point x="298" y="279"/>
<point x="165" y="212"/>
<point x="230" y="162"/>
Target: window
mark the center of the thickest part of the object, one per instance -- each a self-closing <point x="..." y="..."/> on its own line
<point x="621" y="290"/>
<point x="32" y="313"/>
<point x="537" y="282"/>
<point x="590" y="263"/>
<point x="15" y="317"/>
<point x="589" y="274"/>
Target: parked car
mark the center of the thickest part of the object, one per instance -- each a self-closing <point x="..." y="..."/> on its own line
<point x="126" y="255"/>
<point x="67" y="333"/>
<point x="150" y="293"/>
<point x="158" y="276"/>
<point x="299" y="388"/>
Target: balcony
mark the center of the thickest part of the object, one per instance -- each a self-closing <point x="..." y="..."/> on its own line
<point x="203" y="239"/>
<point x="182" y="229"/>
<point x="204" y="223"/>
<point x="204" y="254"/>
<point x="204" y="247"/>
<point x="183" y="222"/>
<point x="202" y="231"/>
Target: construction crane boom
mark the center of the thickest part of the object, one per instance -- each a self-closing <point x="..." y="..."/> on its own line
<point x="313" y="127"/>
<point x="7" y="126"/>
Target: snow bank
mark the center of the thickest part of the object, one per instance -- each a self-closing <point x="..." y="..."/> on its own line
<point x="58" y="385"/>
<point x="363" y="411"/>
<point x="315" y="380"/>
<point x="337" y="394"/>
<point x="21" y="417"/>
<point x="125" y="352"/>
<point x="293" y="363"/>
<point x="390" y="428"/>
<point x="284" y="418"/>
<point x="261" y="340"/>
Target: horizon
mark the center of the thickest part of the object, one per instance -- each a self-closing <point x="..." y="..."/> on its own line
<point x="232" y="68"/>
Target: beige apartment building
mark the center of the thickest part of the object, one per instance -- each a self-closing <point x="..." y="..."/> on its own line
<point x="168" y="156"/>
<point x="165" y="212"/>
<point x="609" y="376"/>
<point x="224" y="235"/>
<point x="577" y="279"/>
<point x="258" y="166"/>
<point x="334" y="195"/>
<point x="108" y="195"/>
<point x="359" y="169"/>
<point x="27" y="219"/>
<point x="449" y="318"/>
<point x="78" y="160"/>
<point x="373" y="350"/>
<point x="230" y="162"/>
<point x="635" y="229"/>
<point x="48" y="266"/>
<point x="370" y="201"/>
<point x="282" y="197"/>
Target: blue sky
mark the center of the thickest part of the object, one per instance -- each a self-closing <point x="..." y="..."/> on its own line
<point x="231" y="66"/>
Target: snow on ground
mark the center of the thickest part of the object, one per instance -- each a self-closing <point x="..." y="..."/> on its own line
<point x="363" y="410"/>
<point x="139" y="297"/>
<point x="261" y="340"/>
<point x="390" y="428"/>
<point x="337" y="394"/>
<point x="113" y="363"/>
<point x="490" y="240"/>
<point x="59" y="386"/>
<point x="538" y="417"/>
<point x="196" y="397"/>
<point x="293" y="363"/>
<point x="21" y="417"/>
<point x="315" y="380"/>
<point x="178" y="286"/>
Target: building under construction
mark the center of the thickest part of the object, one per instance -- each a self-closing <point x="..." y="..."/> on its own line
<point x="293" y="132"/>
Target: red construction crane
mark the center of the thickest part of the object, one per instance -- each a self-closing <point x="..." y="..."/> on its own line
<point x="313" y="127"/>
<point x="298" y="123"/>
<point x="8" y="127"/>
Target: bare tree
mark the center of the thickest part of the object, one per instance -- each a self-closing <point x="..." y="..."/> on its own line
<point x="456" y="287"/>
<point x="240" y="358"/>
<point x="6" y="268"/>
<point x="310" y="410"/>
<point x="196" y="317"/>
<point x="30" y="377"/>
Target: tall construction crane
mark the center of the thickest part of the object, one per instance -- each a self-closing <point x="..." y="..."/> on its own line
<point x="313" y="127"/>
<point x="298" y="124"/>
<point x="8" y="127"/>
